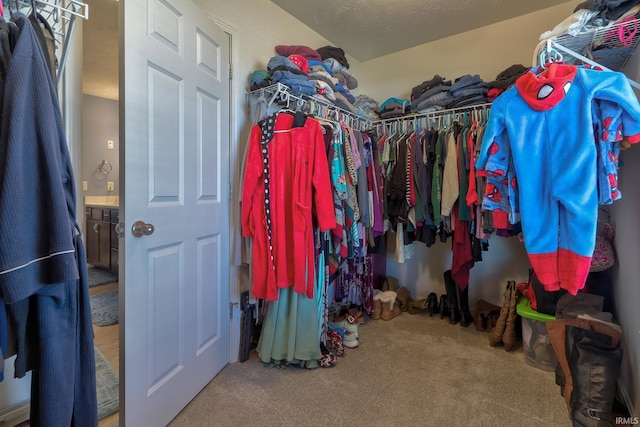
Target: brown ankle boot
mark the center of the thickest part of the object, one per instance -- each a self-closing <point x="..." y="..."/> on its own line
<point x="418" y="306"/>
<point x="481" y="312"/>
<point x="495" y="336"/>
<point x="510" y="336"/>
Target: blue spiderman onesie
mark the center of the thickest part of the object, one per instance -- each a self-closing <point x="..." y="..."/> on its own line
<point x="543" y="128"/>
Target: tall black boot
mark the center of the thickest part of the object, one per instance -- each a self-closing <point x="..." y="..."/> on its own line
<point x="452" y="297"/>
<point x="443" y="306"/>
<point x="595" y="367"/>
<point x="463" y="302"/>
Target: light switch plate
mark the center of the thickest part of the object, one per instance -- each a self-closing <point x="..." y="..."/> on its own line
<point x="85" y="185"/>
<point x="110" y="186"/>
<point x="110" y="144"/>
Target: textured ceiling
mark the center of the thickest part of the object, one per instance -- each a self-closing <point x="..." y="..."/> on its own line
<point x="367" y="29"/>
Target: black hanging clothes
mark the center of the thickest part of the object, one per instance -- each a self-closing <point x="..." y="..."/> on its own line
<point x="43" y="275"/>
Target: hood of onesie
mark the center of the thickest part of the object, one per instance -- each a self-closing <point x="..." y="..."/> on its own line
<point x="545" y="90"/>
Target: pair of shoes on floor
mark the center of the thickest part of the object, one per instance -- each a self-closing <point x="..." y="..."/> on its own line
<point x="385" y="305"/>
<point x="335" y="342"/>
<point x="505" y="330"/>
<point x="428" y="304"/>
<point x="328" y="360"/>
<point x="348" y="323"/>
<point x="389" y="306"/>
<point x="352" y="322"/>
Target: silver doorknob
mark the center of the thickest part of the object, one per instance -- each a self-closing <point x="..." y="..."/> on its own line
<point x="140" y="228"/>
<point x="119" y="228"/>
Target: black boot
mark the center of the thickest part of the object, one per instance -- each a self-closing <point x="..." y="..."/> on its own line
<point x="432" y="304"/>
<point x="452" y="297"/>
<point x="443" y="308"/>
<point x="595" y="367"/>
<point x="463" y="301"/>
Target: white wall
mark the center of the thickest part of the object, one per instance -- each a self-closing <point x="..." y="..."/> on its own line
<point x="625" y="213"/>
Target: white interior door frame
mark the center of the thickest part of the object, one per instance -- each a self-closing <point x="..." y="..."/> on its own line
<point x="234" y="177"/>
<point x="70" y="96"/>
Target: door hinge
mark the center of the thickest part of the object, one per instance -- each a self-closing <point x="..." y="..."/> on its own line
<point x="230" y="71"/>
<point x="231" y="306"/>
<point x="230" y="191"/>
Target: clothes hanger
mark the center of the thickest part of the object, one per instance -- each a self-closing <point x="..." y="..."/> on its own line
<point x="312" y="107"/>
<point x="274" y="97"/>
<point x="549" y="55"/>
<point x="335" y="126"/>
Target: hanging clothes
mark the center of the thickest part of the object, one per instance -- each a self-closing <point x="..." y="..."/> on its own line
<point x="43" y="278"/>
<point x="286" y="183"/>
<point x="290" y="330"/>
<point x="556" y="170"/>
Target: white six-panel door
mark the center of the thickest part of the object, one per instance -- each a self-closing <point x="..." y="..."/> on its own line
<point x="174" y="100"/>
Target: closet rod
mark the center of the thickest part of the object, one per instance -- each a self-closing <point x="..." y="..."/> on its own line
<point x="281" y="92"/>
<point x="432" y="114"/>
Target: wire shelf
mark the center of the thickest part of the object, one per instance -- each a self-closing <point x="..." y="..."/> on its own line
<point x="610" y="46"/>
<point x="281" y="94"/>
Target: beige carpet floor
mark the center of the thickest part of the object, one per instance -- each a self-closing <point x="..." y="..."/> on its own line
<point x="410" y="371"/>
